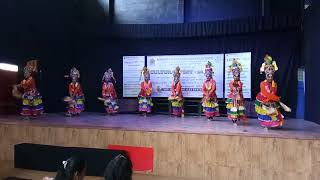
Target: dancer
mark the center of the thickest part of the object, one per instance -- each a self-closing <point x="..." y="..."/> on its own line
<point x="75" y="99"/>
<point x="209" y="100"/>
<point x="109" y="95"/>
<point x="145" y="101"/>
<point x="176" y="97"/>
<point x="267" y="104"/>
<point x="235" y="101"/>
<point x="31" y="98"/>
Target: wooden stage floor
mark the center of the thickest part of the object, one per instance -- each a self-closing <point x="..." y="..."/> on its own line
<point x="293" y="128"/>
<point x="189" y="147"/>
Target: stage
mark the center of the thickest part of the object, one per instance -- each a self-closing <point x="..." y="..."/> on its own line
<point x="293" y="128"/>
<point x="183" y="147"/>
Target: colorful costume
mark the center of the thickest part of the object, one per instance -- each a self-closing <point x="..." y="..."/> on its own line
<point x="176" y="97"/>
<point x="31" y="98"/>
<point x="145" y="101"/>
<point x="76" y="97"/>
<point x="109" y="95"/>
<point x="267" y="104"/>
<point x="235" y="101"/>
<point x="209" y="100"/>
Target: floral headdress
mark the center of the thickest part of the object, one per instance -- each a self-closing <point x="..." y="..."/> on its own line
<point x="108" y="75"/>
<point x="176" y="72"/>
<point x="268" y="61"/>
<point x="144" y="72"/>
<point x="208" y="69"/>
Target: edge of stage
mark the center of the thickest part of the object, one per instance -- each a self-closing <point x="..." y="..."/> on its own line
<point x="292" y="129"/>
<point x="191" y="147"/>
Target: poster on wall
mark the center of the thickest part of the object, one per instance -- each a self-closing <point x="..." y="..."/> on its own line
<point x="132" y="66"/>
<point x="192" y="77"/>
<point x="245" y="59"/>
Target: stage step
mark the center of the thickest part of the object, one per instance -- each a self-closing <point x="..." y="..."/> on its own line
<point x="49" y="158"/>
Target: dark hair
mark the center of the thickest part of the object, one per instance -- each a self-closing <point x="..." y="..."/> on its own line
<point x="69" y="167"/>
<point x="119" y="168"/>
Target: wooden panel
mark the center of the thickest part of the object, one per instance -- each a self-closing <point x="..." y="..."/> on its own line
<point x="193" y="155"/>
<point x="167" y="154"/>
<point x="315" y="160"/>
<point x="187" y="155"/>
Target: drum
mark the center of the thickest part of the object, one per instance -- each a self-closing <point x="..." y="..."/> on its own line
<point x="270" y="108"/>
<point x="107" y="102"/>
<point x="67" y="99"/>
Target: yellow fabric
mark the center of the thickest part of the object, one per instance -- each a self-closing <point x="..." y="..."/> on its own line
<point x="79" y="101"/>
<point x="148" y="101"/>
<point x="262" y="111"/>
<point x="34" y="102"/>
<point x="229" y="106"/>
<point x="177" y="103"/>
<point x="210" y="104"/>
<point x="26" y="102"/>
<point x="37" y="101"/>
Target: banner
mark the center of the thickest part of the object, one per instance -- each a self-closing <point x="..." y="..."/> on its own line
<point x="192" y="77"/>
<point x="245" y="59"/>
<point x="132" y="66"/>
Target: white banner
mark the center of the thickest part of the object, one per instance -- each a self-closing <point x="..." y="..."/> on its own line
<point x="245" y="59"/>
<point x="192" y="77"/>
<point x="132" y="66"/>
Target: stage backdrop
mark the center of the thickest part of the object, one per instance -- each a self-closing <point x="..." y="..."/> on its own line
<point x="81" y="35"/>
<point x="96" y="55"/>
<point x="192" y="77"/>
<point x="245" y="59"/>
<point x="132" y="66"/>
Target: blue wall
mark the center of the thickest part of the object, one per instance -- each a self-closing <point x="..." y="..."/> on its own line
<point x="311" y="46"/>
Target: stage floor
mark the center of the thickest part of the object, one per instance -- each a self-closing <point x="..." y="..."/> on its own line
<point x="293" y="128"/>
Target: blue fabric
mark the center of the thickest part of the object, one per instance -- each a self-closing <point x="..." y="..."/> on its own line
<point x="264" y="117"/>
<point x="209" y="109"/>
<point x="40" y="106"/>
<point x="300" y="99"/>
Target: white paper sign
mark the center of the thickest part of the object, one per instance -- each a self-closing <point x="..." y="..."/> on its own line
<point x="132" y="66"/>
<point x="192" y="77"/>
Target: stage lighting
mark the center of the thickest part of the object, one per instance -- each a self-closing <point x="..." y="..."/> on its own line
<point x="8" y="67"/>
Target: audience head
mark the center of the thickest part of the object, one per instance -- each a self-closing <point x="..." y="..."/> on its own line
<point x="71" y="169"/>
<point x="119" y="168"/>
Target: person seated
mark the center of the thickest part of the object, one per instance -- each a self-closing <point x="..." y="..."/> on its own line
<point x="71" y="169"/>
<point x="119" y="168"/>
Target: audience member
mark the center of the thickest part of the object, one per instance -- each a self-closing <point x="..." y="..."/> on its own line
<point x="71" y="169"/>
<point x="119" y="168"/>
